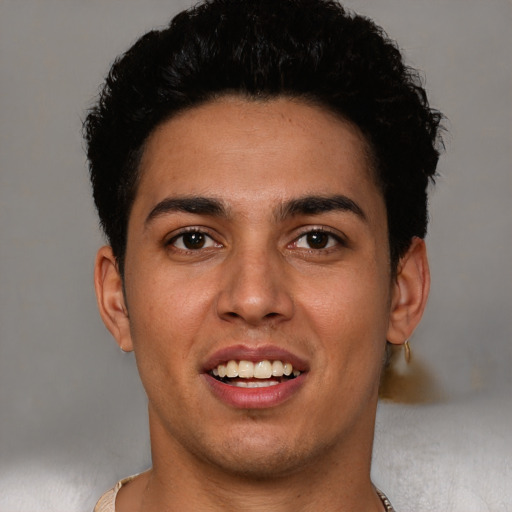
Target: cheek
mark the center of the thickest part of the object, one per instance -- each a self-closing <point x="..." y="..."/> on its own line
<point x="164" y="328"/>
<point x="166" y="316"/>
<point x="169" y="300"/>
<point x="348" y="316"/>
<point x="349" y="301"/>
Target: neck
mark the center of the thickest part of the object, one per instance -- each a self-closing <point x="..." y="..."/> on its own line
<point x="333" y="480"/>
<point x="296" y="493"/>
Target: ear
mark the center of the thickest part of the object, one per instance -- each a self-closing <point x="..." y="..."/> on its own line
<point x="110" y="297"/>
<point x="410" y="293"/>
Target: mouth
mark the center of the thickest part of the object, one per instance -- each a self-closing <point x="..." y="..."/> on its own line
<point x="261" y="377"/>
<point x="249" y="374"/>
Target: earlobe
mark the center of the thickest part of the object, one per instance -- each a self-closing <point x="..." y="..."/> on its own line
<point x="111" y="301"/>
<point x="410" y="293"/>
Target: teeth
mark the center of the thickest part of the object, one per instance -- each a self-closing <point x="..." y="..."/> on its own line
<point x="245" y="369"/>
<point x="259" y="370"/>
<point x="263" y="370"/>
<point x="253" y="384"/>
<point x="277" y="369"/>
<point x="232" y="369"/>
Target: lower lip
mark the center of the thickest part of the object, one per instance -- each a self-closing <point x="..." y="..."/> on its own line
<point x="254" y="398"/>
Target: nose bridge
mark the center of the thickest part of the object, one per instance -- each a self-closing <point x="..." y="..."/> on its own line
<point x="255" y="287"/>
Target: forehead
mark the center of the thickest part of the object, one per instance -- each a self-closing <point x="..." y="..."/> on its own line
<point x="253" y="151"/>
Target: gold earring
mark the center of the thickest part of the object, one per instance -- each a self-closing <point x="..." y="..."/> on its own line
<point x="407" y="352"/>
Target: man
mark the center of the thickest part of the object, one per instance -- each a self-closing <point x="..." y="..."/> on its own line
<point x="260" y="170"/>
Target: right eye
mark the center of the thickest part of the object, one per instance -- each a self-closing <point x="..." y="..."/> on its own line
<point x="192" y="241"/>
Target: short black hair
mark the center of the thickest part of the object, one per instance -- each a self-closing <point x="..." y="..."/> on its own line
<point x="263" y="49"/>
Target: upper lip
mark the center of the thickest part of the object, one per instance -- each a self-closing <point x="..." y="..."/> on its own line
<point x="254" y="354"/>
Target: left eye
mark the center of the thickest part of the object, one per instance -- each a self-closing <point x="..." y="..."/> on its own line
<point x="316" y="240"/>
<point x="193" y="240"/>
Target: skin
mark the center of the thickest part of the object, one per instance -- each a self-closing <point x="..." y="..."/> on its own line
<point x="258" y="281"/>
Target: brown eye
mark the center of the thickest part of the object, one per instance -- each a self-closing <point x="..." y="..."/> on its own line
<point x="193" y="240"/>
<point x="317" y="240"/>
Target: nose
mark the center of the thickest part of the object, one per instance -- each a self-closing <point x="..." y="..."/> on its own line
<point x="256" y="288"/>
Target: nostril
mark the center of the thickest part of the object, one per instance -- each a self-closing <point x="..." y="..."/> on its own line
<point x="249" y="302"/>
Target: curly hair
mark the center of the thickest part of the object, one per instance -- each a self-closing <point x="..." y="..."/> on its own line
<point x="310" y="49"/>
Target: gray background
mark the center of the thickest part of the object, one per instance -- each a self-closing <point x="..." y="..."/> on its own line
<point x="72" y="412"/>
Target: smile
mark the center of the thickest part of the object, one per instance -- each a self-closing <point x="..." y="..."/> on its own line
<point x="248" y="374"/>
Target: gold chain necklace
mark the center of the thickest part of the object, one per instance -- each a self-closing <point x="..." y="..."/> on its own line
<point x="385" y="501"/>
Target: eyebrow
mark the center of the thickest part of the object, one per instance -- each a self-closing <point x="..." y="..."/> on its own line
<point x="197" y="205"/>
<point x="307" y="205"/>
<point x="315" y="205"/>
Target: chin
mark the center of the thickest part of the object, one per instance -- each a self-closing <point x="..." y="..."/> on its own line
<point x="257" y="456"/>
<point x="261" y="464"/>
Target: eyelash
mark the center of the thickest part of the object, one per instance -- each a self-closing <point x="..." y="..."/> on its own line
<point x="338" y="240"/>
<point x="192" y="231"/>
<point x="331" y="243"/>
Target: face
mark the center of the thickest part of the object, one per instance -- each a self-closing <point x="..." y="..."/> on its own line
<point x="257" y="246"/>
